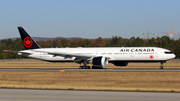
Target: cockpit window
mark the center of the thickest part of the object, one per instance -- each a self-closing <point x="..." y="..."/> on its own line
<point x="168" y="52"/>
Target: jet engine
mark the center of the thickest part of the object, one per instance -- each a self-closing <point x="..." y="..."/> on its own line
<point x="100" y="61"/>
<point x="120" y="63"/>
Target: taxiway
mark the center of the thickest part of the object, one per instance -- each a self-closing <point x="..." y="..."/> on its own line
<point x="70" y="95"/>
<point x="120" y="70"/>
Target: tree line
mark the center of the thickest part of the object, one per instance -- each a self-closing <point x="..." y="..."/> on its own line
<point x="115" y="41"/>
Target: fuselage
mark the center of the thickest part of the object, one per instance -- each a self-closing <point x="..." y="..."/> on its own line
<point x="129" y="54"/>
<point x="97" y="56"/>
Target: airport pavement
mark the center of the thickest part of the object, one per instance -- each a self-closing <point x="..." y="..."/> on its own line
<point x="71" y="95"/>
<point x="120" y="70"/>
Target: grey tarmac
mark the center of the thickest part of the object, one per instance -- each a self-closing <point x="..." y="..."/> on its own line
<point x="120" y="70"/>
<point x="71" y="95"/>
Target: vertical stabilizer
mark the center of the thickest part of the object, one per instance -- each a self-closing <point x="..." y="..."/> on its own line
<point x="27" y="40"/>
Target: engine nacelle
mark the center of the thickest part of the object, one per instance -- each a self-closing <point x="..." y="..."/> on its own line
<point x="100" y="61"/>
<point x="120" y="63"/>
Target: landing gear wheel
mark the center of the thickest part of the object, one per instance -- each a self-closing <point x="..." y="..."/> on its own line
<point x="87" y="67"/>
<point x="84" y="67"/>
<point x="161" y="67"/>
<point x="80" y="67"/>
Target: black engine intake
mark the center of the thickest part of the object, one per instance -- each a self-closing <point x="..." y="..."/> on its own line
<point x="100" y="61"/>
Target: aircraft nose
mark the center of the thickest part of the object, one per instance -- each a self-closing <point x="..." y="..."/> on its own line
<point x="173" y="56"/>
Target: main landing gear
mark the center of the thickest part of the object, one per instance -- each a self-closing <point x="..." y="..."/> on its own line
<point x="161" y="67"/>
<point x="84" y="65"/>
<point x="88" y="67"/>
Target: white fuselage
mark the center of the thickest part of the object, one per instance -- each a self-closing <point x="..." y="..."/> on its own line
<point x="129" y="54"/>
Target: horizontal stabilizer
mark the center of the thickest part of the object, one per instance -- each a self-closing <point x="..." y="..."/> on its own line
<point x="11" y="51"/>
<point x="17" y="52"/>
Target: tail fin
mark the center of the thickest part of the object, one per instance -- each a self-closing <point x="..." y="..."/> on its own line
<point x="28" y="42"/>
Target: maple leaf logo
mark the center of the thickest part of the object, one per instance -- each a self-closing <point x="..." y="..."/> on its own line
<point x="28" y="42"/>
<point x="151" y="56"/>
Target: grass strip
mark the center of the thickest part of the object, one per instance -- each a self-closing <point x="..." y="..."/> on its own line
<point x="129" y="81"/>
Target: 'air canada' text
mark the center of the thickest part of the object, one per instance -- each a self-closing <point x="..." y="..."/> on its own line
<point x="137" y="50"/>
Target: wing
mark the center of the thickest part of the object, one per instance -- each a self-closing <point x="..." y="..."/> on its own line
<point x="78" y="57"/>
<point x="68" y="55"/>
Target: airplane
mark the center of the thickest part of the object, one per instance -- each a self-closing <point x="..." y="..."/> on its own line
<point x="99" y="57"/>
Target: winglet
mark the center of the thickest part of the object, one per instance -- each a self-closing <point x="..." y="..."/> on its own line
<point x="27" y="40"/>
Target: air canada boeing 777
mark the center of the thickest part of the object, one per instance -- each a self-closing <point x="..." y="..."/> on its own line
<point x="97" y="56"/>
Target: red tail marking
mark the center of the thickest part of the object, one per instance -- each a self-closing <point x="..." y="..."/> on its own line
<point x="28" y="42"/>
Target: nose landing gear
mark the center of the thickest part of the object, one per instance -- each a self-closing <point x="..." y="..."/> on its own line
<point x="161" y="67"/>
